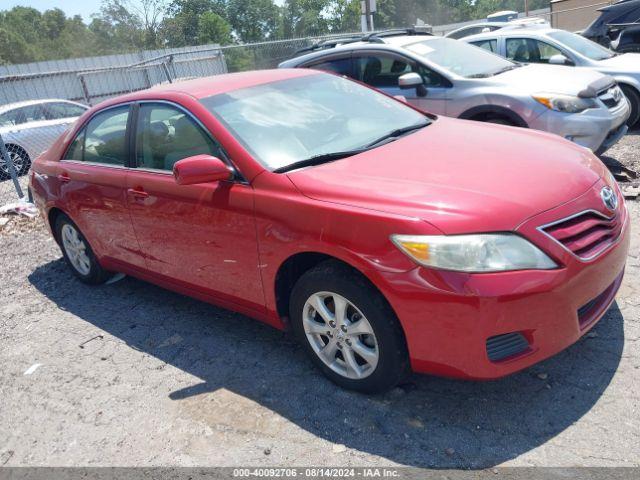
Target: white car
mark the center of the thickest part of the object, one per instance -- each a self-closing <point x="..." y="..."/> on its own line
<point x="29" y="128"/>
<point x="540" y="44"/>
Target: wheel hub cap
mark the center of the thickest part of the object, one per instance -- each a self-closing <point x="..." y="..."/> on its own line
<point x="76" y="249"/>
<point x="340" y="335"/>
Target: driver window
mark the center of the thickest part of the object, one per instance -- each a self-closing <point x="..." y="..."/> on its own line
<point x="380" y="70"/>
<point x="383" y="71"/>
<point x="518" y="50"/>
<point x="166" y="134"/>
<point x="545" y="51"/>
<point x="526" y="50"/>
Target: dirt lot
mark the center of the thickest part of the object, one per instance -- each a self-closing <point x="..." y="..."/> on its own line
<point x="130" y="374"/>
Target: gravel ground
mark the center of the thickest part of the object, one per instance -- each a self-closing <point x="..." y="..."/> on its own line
<point x="129" y="374"/>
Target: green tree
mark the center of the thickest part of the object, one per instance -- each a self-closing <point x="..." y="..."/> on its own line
<point x="212" y="28"/>
<point x="253" y="20"/>
<point x="181" y="25"/>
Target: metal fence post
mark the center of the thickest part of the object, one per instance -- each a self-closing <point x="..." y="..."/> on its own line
<point x="165" y="68"/>
<point x="10" y="167"/>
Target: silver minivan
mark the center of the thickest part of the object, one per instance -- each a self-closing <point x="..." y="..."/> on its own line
<point x="449" y="77"/>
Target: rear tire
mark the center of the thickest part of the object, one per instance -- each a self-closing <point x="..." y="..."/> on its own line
<point x="363" y="348"/>
<point x="77" y="252"/>
<point x="634" y="99"/>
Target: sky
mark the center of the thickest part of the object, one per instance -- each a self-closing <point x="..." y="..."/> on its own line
<point x="70" y="7"/>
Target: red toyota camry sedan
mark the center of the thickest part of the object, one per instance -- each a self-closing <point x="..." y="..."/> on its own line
<point x="386" y="239"/>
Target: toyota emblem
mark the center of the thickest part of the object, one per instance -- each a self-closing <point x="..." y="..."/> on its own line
<point x="609" y="198"/>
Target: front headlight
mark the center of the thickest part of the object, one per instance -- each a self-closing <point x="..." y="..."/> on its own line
<point x="487" y="252"/>
<point x="565" y="103"/>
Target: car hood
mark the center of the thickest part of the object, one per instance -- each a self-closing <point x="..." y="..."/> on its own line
<point x="625" y="63"/>
<point x="459" y="176"/>
<point x="554" y="79"/>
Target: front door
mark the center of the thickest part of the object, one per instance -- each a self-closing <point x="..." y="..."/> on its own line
<point x="382" y="71"/>
<point x="201" y="236"/>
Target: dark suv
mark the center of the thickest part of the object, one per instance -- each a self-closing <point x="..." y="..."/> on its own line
<point x="617" y="27"/>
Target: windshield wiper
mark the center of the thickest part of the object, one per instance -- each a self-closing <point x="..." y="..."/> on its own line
<point x="331" y="156"/>
<point x="319" y="159"/>
<point x="398" y="132"/>
<point x="506" y="69"/>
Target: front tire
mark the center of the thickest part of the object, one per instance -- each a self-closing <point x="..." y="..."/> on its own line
<point x="348" y="329"/>
<point x="634" y="99"/>
<point x="77" y="252"/>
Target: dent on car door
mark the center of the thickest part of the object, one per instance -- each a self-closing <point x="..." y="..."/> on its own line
<point x="383" y="71"/>
<point x="91" y="179"/>
<point x="201" y="236"/>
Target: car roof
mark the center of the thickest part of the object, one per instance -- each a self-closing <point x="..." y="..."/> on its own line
<point x="391" y="43"/>
<point x="208" y="86"/>
<point x="27" y="103"/>
<point x="478" y="24"/>
<point x="529" y="30"/>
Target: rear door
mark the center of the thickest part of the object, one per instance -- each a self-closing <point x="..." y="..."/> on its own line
<point x="91" y="179"/>
<point x="198" y="236"/>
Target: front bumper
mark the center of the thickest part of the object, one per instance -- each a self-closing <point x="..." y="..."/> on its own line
<point x="448" y="316"/>
<point x="596" y="129"/>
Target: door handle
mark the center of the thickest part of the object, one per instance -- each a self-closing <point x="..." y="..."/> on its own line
<point x="138" y="193"/>
<point x="64" y="177"/>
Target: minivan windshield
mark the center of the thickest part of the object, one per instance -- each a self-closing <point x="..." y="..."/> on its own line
<point x="582" y="45"/>
<point x="317" y="116"/>
<point x="461" y="58"/>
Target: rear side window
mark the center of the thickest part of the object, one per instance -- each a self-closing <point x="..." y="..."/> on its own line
<point x="340" y="66"/>
<point x="20" y="116"/>
<point x="58" y="110"/>
<point x="166" y="134"/>
<point x="32" y="113"/>
<point x="490" y="45"/>
<point x="103" y="140"/>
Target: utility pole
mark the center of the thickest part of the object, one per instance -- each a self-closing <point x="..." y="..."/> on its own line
<point x="526" y="8"/>
<point x="367" y="7"/>
<point x="367" y="15"/>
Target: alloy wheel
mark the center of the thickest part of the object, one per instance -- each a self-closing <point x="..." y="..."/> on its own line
<point x="340" y="335"/>
<point x="76" y="249"/>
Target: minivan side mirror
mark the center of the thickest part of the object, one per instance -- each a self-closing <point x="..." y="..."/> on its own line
<point x="560" y="59"/>
<point x="412" y="80"/>
<point x="200" y="169"/>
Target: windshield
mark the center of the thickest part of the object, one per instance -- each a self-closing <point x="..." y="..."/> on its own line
<point x="582" y="45"/>
<point x="289" y="121"/>
<point x="460" y="58"/>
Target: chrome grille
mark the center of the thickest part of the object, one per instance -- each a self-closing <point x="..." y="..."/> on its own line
<point x="587" y="234"/>
<point x="611" y="96"/>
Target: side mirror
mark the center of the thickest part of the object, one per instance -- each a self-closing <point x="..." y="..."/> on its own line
<point x="560" y="60"/>
<point x="412" y="80"/>
<point x="200" y="169"/>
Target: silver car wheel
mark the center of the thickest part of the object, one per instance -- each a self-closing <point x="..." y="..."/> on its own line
<point x="340" y="335"/>
<point x="76" y="249"/>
